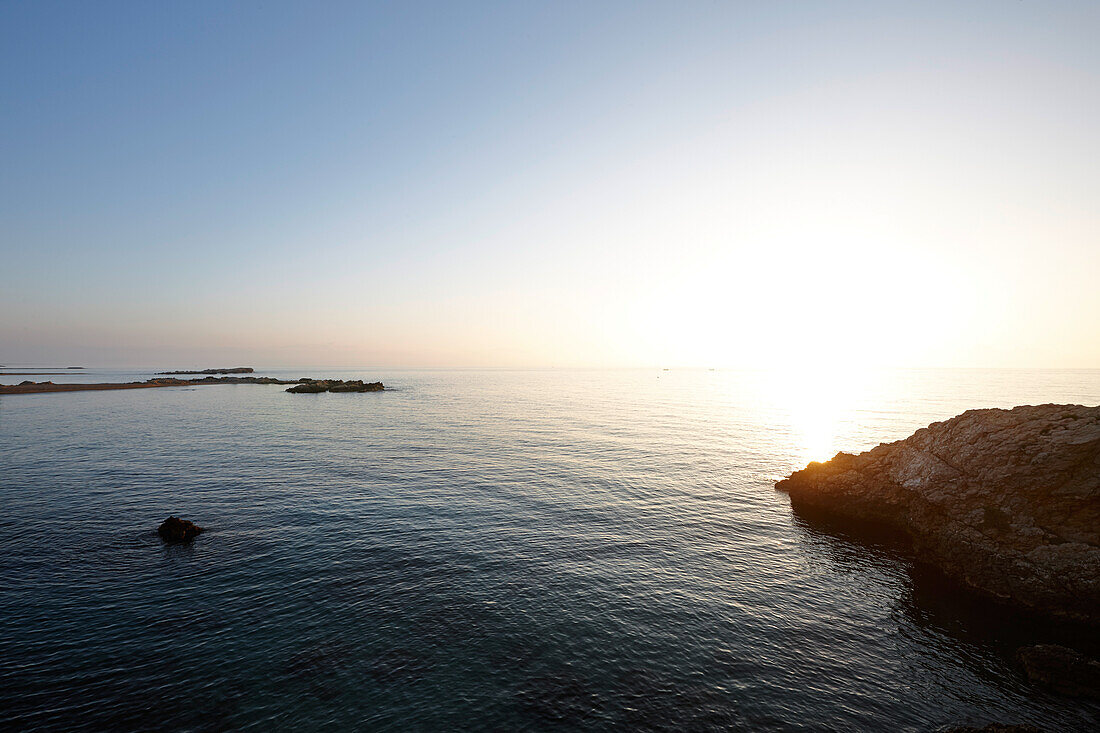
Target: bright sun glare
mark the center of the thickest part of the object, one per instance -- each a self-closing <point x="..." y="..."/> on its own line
<point x="819" y="400"/>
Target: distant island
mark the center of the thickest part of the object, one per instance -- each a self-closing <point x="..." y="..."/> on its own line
<point x="227" y="370"/>
<point x="34" y="367"/>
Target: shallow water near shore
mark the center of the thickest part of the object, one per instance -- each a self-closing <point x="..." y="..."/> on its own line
<point x="485" y="550"/>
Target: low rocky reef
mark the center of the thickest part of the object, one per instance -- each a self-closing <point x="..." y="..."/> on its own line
<point x="1006" y="502"/>
<point x="313" y="386"/>
<point x="28" y="387"/>
<point x="228" y="370"/>
<point x="305" y="384"/>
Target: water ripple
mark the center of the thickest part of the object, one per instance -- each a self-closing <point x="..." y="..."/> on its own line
<point x="489" y="550"/>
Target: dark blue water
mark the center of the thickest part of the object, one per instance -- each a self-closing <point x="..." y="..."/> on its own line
<point x="484" y="550"/>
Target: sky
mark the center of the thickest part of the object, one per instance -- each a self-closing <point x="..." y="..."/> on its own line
<point x="558" y="184"/>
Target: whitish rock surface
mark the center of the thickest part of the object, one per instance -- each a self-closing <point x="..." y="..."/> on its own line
<point x="1006" y="501"/>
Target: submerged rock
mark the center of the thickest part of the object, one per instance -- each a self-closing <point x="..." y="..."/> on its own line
<point x="1005" y="501"/>
<point x="1061" y="669"/>
<point x="175" y="529"/>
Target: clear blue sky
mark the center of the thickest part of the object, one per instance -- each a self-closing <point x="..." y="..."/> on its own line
<point x="541" y="184"/>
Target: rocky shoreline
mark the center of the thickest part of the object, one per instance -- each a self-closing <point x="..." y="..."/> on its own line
<point x="1006" y="502"/>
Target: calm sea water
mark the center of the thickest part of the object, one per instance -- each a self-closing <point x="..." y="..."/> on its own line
<point x="485" y="550"/>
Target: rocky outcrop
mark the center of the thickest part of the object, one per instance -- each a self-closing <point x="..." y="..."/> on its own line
<point x="228" y="370"/>
<point x="174" y="529"/>
<point x="1005" y="501"/>
<point x="308" y="388"/>
<point x="313" y="386"/>
<point x="357" y="385"/>
<point x="1061" y="669"/>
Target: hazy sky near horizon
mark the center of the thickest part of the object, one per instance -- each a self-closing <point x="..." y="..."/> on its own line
<point x="550" y="184"/>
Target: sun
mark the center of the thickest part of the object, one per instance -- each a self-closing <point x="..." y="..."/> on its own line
<point x="819" y="401"/>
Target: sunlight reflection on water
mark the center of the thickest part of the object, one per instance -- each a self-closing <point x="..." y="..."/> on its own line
<point x="821" y="404"/>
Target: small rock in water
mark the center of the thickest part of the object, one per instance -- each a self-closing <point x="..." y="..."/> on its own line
<point x="1061" y="669"/>
<point x="175" y="529"/>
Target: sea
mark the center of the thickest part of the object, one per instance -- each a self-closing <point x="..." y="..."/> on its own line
<point x="489" y="550"/>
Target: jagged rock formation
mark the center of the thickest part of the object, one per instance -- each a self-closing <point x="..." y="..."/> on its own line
<point x="1005" y="501"/>
<point x="1061" y="669"/>
<point x="174" y="530"/>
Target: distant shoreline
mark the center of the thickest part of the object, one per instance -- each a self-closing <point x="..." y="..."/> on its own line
<point x="40" y="387"/>
<point x="304" y="385"/>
